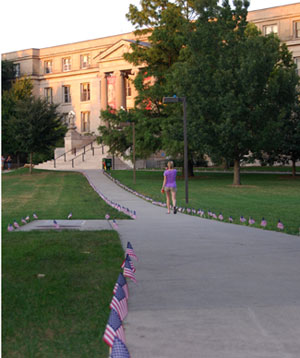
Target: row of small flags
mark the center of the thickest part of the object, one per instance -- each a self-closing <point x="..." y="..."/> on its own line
<point x="120" y="208"/>
<point x="24" y="221"/>
<point x="190" y="211"/>
<point x="114" y="335"/>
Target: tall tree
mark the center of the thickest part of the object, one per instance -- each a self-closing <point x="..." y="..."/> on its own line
<point x="240" y="84"/>
<point x="39" y="125"/>
<point x="21" y="90"/>
<point x="7" y="75"/>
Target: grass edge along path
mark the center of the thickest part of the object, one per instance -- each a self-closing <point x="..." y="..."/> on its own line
<point x="57" y="285"/>
<point x="237" y="201"/>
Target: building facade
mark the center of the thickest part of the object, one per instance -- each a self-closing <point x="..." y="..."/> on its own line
<point x="85" y="77"/>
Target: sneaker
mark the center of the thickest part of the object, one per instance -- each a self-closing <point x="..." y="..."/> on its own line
<point x="175" y="210"/>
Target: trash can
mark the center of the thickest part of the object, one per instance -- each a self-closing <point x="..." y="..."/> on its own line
<point x="106" y="164"/>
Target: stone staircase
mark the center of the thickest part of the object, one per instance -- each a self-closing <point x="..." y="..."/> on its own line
<point x="89" y="157"/>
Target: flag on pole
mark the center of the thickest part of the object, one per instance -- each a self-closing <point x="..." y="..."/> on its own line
<point x="119" y="303"/>
<point x="119" y="350"/>
<point x="24" y="221"/>
<point x="35" y="216"/>
<point x="129" y="251"/>
<point x="56" y="225"/>
<point x="123" y="283"/>
<point x="280" y="225"/>
<point x="70" y="216"/>
<point x="130" y="263"/>
<point x="263" y="222"/>
<point x="16" y="225"/>
<point x="10" y="227"/>
<point x="128" y="271"/>
<point x="113" y="329"/>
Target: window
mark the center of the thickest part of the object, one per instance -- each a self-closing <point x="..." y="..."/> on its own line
<point x="269" y="29"/>
<point x="48" y="94"/>
<point x="67" y="64"/>
<point x="17" y="70"/>
<point x="84" y="91"/>
<point x="66" y="94"/>
<point x="84" y="61"/>
<point x="297" y="29"/>
<point x="48" y="66"/>
<point x="297" y="62"/>
<point x="128" y="87"/>
<point x="85" y="121"/>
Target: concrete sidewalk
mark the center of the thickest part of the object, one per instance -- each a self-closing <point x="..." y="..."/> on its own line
<point x="205" y="288"/>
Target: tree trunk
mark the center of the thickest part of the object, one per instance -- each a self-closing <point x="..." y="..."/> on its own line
<point x="236" y="175"/>
<point x="293" y="168"/>
<point x="18" y="160"/>
<point x="190" y="168"/>
<point x="30" y="164"/>
<point x="225" y="165"/>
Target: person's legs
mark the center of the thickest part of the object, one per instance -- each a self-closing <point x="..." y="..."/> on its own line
<point x="174" y="200"/>
<point x="168" y="200"/>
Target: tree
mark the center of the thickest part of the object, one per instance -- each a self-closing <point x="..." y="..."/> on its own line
<point x="21" y="90"/>
<point x="168" y="25"/>
<point x="240" y="83"/>
<point x="8" y="74"/>
<point x="39" y="125"/>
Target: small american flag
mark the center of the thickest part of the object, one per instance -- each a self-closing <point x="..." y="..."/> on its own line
<point x="242" y="219"/>
<point x="130" y="263"/>
<point x="114" y="224"/>
<point x="230" y="219"/>
<point x="221" y="217"/>
<point x="119" y="350"/>
<point x="280" y="225"/>
<point x="10" y="227"/>
<point x="55" y="223"/>
<point x="251" y="221"/>
<point x="16" y="225"/>
<point x="263" y="222"/>
<point x="35" y="216"/>
<point x="24" y="221"/>
<point x="107" y="216"/>
<point x="113" y="329"/>
<point x="128" y="271"/>
<point x="129" y="251"/>
<point x="123" y="283"/>
<point x="119" y="303"/>
<point x="70" y="216"/>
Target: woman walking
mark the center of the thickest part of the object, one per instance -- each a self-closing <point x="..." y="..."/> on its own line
<point x="169" y="186"/>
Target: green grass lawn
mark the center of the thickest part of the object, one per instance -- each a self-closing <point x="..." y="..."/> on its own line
<point x="63" y="313"/>
<point x="262" y="195"/>
<point x="51" y="195"/>
<point x="280" y="168"/>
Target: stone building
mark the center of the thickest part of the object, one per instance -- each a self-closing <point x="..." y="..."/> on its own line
<point x="85" y="77"/>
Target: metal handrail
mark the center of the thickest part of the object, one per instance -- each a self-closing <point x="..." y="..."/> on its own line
<point x="84" y="152"/>
<point x="74" y="150"/>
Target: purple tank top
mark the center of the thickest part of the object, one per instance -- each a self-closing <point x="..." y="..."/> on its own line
<point x="171" y="178"/>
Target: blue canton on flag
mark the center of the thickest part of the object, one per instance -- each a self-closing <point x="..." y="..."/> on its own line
<point x="119" y="350"/>
<point x="123" y="283"/>
<point x="113" y="329"/>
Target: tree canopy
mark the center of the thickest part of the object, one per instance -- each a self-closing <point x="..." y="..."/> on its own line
<point x="240" y="86"/>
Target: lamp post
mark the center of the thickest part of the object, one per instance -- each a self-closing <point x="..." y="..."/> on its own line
<point x="185" y="151"/>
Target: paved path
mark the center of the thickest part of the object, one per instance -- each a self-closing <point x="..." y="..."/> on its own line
<point x="208" y="289"/>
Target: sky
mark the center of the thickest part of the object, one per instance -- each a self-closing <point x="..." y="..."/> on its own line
<point x="39" y="24"/>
